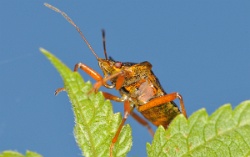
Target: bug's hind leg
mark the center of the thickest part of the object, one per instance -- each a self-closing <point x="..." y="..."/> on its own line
<point x="142" y="122"/>
<point x="164" y="99"/>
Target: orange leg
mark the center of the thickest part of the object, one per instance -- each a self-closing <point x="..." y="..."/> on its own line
<point x="127" y="110"/>
<point x="58" y="90"/>
<point x="134" y="115"/>
<point x="103" y="82"/>
<point x="96" y="76"/>
<point x="112" y="97"/>
<point x="119" y="82"/>
<point x="142" y="122"/>
<point x="91" y="72"/>
<point x="163" y="99"/>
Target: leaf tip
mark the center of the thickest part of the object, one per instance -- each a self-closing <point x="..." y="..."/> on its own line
<point x="43" y="50"/>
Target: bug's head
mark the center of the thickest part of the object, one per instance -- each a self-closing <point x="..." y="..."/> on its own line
<point x="109" y="66"/>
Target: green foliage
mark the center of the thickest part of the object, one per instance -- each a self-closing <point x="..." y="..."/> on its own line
<point x="224" y="133"/>
<point x="95" y="122"/>
<point x="9" y="153"/>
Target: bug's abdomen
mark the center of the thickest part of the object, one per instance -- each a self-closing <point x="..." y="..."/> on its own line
<point x="162" y="114"/>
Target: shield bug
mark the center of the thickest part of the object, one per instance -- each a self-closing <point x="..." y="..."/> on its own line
<point x="138" y="86"/>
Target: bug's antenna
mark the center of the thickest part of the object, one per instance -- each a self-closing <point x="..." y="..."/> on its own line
<point x="104" y="43"/>
<point x="72" y="23"/>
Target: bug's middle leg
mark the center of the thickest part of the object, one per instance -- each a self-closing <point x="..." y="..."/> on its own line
<point x="133" y="114"/>
<point x="127" y="111"/>
<point x="112" y="97"/>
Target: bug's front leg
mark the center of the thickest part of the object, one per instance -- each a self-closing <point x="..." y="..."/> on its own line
<point x="103" y="82"/>
<point x="91" y="72"/>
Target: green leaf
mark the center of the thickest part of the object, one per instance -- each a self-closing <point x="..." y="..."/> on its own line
<point x="225" y="133"/>
<point x="32" y="154"/>
<point x="10" y="153"/>
<point x="95" y="122"/>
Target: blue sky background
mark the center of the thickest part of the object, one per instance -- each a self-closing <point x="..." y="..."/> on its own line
<point x="200" y="49"/>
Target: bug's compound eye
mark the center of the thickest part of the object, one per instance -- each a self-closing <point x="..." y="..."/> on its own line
<point x="118" y="64"/>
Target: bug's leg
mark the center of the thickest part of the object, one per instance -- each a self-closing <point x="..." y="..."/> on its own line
<point x="142" y="122"/>
<point x="91" y="72"/>
<point x="58" y="90"/>
<point x="163" y="99"/>
<point x="100" y="80"/>
<point x="127" y="110"/>
<point x="119" y="82"/>
<point x="103" y="82"/>
<point x="134" y="115"/>
<point x="112" y="97"/>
